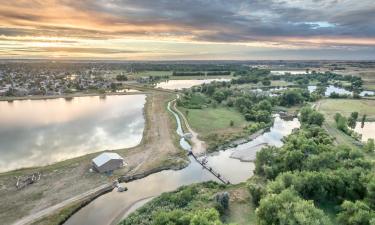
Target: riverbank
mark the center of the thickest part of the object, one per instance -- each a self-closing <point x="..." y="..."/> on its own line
<point x="64" y="180"/>
<point x="67" y="96"/>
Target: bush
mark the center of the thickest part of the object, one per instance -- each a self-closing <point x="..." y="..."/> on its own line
<point x="355" y="213"/>
<point x="288" y="208"/>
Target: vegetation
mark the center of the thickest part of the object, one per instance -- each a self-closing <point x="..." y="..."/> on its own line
<point x="196" y="204"/>
<point x="309" y="171"/>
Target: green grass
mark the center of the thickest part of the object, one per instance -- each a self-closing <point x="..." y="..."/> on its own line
<point x="329" y="107"/>
<point x="369" y="86"/>
<point x="346" y="106"/>
<point x="280" y="83"/>
<point x="210" y="119"/>
<point x="213" y="125"/>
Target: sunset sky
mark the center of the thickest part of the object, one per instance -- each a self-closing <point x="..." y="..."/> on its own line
<point x="191" y="29"/>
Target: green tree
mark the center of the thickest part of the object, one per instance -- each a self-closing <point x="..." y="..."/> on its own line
<point x="342" y="124"/>
<point x="363" y="120"/>
<point x="288" y="208"/>
<point x="355" y="213"/>
<point x="369" y="146"/>
<point x="316" y="118"/>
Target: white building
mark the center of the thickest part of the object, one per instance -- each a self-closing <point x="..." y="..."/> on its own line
<point x="107" y="161"/>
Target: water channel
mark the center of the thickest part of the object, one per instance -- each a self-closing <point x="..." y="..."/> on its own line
<point x="114" y="206"/>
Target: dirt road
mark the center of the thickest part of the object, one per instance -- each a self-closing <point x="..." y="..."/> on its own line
<point x="199" y="146"/>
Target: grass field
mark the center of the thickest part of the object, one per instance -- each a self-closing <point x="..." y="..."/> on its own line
<point x="241" y="210"/>
<point x="346" y="106"/>
<point x="213" y="124"/>
<point x="213" y="119"/>
<point x="329" y="107"/>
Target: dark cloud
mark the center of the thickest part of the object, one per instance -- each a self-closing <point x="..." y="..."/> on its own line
<point x="222" y="20"/>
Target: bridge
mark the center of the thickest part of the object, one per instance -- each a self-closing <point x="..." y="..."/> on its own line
<point x="212" y="171"/>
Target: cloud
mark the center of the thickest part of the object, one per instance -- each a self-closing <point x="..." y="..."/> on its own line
<point x="275" y="23"/>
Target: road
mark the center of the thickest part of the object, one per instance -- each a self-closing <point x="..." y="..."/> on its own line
<point x="48" y="211"/>
<point x="199" y="146"/>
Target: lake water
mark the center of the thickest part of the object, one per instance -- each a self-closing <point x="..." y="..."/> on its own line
<point x="368" y="131"/>
<point x="367" y="93"/>
<point x="280" y="129"/>
<point x="181" y="84"/>
<point x="332" y="89"/>
<point x="40" y="132"/>
<point x="114" y="206"/>
<point x="283" y="72"/>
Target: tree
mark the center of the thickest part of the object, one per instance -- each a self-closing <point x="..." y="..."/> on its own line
<point x="352" y="120"/>
<point x="316" y="118"/>
<point x="337" y="117"/>
<point x="219" y="96"/>
<point x="355" y="213"/>
<point x="311" y="117"/>
<point x="121" y="77"/>
<point x="231" y="123"/>
<point x="291" y="97"/>
<point x="342" y="124"/>
<point x="288" y="208"/>
<point x="370" y="195"/>
<point x="354" y="115"/>
<point x="266" y="82"/>
<point x="363" y="120"/>
<point x="369" y="146"/>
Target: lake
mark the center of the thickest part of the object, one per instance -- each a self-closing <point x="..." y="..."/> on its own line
<point x="41" y="132"/>
<point x="341" y="91"/>
<point x="283" y="72"/>
<point x="181" y="84"/>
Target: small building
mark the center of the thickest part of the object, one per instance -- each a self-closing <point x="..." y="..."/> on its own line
<point x="107" y="161"/>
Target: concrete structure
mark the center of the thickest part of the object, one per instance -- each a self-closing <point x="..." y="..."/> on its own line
<point x="107" y="161"/>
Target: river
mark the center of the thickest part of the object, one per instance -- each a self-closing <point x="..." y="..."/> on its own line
<point x="181" y="84"/>
<point x="40" y="132"/>
<point x="111" y="208"/>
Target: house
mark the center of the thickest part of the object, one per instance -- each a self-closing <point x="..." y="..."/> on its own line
<point x="107" y="161"/>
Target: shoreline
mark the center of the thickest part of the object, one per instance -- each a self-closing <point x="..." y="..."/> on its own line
<point x="172" y="157"/>
<point x="67" y="96"/>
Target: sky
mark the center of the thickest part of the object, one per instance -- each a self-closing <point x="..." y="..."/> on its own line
<point x="188" y="29"/>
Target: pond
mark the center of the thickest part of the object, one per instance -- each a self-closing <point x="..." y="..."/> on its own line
<point x="181" y="84"/>
<point x="114" y="206"/>
<point x="367" y="93"/>
<point x="332" y="89"/>
<point x="368" y="130"/>
<point x="292" y="72"/>
<point x="273" y="137"/>
<point x="40" y="132"/>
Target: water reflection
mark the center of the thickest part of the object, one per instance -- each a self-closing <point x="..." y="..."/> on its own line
<point x="368" y="130"/>
<point x="292" y="72"/>
<point x="281" y="128"/>
<point x="112" y="207"/>
<point x="341" y="91"/>
<point x="39" y="132"/>
<point x="181" y="84"/>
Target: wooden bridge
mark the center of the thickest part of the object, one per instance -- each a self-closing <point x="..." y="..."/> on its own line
<point x="213" y="172"/>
